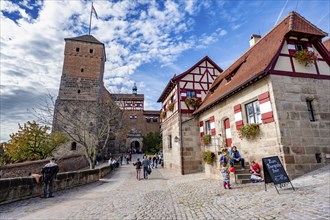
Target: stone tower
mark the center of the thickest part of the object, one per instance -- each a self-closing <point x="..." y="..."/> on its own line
<point x="81" y="86"/>
<point x="83" y="68"/>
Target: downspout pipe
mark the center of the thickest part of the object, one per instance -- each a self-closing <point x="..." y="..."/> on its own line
<point x="180" y="127"/>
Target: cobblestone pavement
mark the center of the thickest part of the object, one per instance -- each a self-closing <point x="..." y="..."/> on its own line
<point x="168" y="196"/>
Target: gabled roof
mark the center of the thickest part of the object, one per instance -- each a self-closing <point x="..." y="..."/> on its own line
<point x="258" y="60"/>
<point x="85" y="38"/>
<point x="326" y="43"/>
<point x="177" y="78"/>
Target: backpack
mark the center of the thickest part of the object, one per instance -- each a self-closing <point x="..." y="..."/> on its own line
<point x="223" y="160"/>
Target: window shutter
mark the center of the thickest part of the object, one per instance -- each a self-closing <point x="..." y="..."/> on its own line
<point x="212" y="125"/>
<point x="238" y="116"/>
<point x="228" y="133"/>
<point x="183" y="93"/>
<point x="201" y="128"/>
<point x="265" y="108"/>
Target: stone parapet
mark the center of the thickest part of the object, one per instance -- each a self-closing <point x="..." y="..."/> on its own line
<point x="14" y="189"/>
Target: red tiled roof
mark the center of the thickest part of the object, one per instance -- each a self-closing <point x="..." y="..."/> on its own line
<point x="170" y="85"/>
<point x="256" y="62"/>
<point x="326" y="43"/>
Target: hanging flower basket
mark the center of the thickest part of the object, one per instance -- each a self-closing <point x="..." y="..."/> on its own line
<point x="192" y="102"/>
<point x="207" y="139"/>
<point x="249" y="131"/>
<point x="209" y="157"/>
<point x="305" y="57"/>
<point x="163" y="115"/>
<point x="171" y="107"/>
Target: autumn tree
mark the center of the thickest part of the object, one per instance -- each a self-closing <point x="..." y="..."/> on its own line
<point x="32" y="142"/>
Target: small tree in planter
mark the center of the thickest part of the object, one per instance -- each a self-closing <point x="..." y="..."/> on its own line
<point x="209" y="157"/>
<point x="249" y="131"/>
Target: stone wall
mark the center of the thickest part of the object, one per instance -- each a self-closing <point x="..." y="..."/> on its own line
<point x="191" y="150"/>
<point x="305" y="143"/>
<point x="14" y="189"/>
<point x="69" y="163"/>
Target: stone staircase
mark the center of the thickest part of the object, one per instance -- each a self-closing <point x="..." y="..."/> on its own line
<point x="242" y="176"/>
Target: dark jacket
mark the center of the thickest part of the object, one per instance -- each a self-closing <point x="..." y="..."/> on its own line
<point x="49" y="171"/>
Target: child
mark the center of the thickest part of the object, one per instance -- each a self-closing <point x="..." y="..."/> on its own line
<point x="226" y="178"/>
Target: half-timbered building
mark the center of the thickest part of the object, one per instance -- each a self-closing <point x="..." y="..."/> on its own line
<point x="179" y="99"/>
<point x="287" y="98"/>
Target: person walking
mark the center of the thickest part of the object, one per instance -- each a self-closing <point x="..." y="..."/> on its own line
<point x="146" y="164"/>
<point x="138" y="165"/>
<point x="225" y="174"/>
<point x="49" y="172"/>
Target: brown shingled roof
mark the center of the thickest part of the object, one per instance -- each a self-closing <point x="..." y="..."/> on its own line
<point x="85" y="38"/>
<point x="326" y="43"/>
<point x="256" y="62"/>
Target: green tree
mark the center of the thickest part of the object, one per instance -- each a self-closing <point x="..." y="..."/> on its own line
<point x="32" y="142"/>
<point x="152" y="142"/>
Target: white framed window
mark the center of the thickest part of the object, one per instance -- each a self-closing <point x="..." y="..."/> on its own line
<point x="207" y="127"/>
<point x="191" y="93"/>
<point x="253" y="114"/>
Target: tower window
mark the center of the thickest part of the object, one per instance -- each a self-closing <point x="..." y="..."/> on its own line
<point x="91" y="50"/>
<point x="310" y="110"/>
<point x="82" y="70"/>
<point x="78" y="91"/>
<point x="73" y="146"/>
<point x="77" y="49"/>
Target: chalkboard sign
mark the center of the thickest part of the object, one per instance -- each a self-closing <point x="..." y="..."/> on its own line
<point x="274" y="171"/>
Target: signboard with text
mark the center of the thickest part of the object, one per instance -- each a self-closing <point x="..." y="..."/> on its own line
<point x="274" y="171"/>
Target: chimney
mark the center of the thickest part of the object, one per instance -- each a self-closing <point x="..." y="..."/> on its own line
<point x="254" y="39"/>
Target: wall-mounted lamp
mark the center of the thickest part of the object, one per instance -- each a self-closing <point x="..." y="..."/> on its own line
<point x="176" y="139"/>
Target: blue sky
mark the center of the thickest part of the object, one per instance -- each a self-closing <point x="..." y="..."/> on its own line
<point x="147" y="42"/>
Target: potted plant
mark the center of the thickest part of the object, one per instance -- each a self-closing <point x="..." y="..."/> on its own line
<point x="171" y="107"/>
<point x="305" y="57"/>
<point x="163" y="114"/>
<point x="193" y="102"/>
<point x="249" y="131"/>
<point x="208" y="157"/>
<point x="207" y="139"/>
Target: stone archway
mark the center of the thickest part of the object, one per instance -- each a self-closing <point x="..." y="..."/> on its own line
<point x="136" y="147"/>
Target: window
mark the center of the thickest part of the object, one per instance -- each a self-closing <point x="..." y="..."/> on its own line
<point x="77" y="49"/>
<point x="169" y="141"/>
<point x="207" y="127"/>
<point x="253" y="112"/>
<point x="310" y="110"/>
<point x="133" y="117"/>
<point x="82" y="70"/>
<point x="78" y="91"/>
<point x="73" y="146"/>
<point x="191" y="93"/>
<point x="90" y="50"/>
<point x="299" y="47"/>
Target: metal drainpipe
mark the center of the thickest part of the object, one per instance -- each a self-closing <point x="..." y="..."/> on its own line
<point x="180" y="128"/>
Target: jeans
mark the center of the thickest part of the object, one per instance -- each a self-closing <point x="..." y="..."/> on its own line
<point x="145" y="172"/>
<point x="232" y="160"/>
<point x="49" y="188"/>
